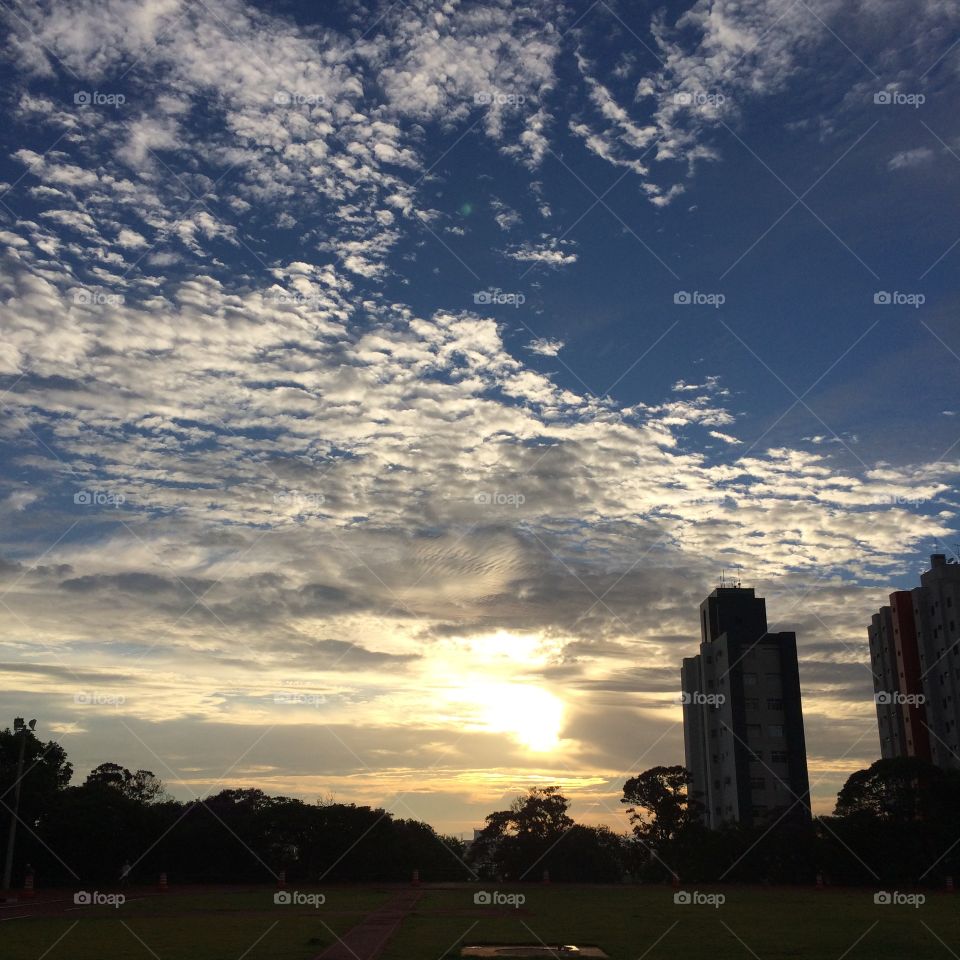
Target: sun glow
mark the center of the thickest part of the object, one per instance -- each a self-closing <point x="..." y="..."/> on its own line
<point x="530" y="714"/>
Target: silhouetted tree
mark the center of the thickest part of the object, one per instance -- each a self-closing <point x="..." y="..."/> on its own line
<point x="665" y="806"/>
<point x="46" y="772"/>
<point x="900" y="789"/>
<point x="519" y="843"/>
<point x="665" y="820"/>
<point x="143" y="785"/>
<point x="894" y="823"/>
<point x="590" y="855"/>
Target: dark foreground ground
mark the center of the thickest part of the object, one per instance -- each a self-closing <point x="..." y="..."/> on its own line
<point x="433" y="922"/>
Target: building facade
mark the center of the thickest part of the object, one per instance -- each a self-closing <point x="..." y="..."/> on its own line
<point x="915" y="659"/>
<point x="742" y="715"/>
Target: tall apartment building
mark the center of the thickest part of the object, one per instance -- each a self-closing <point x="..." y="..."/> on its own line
<point x="742" y="715"/>
<point x="915" y="658"/>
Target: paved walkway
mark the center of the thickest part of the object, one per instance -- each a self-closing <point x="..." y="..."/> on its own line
<point x="368" y="938"/>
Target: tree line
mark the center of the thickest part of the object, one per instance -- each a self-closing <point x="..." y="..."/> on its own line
<point x="894" y="823"/>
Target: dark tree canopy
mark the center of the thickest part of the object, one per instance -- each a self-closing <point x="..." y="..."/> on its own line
<point x="895" y="823"/>
<point x="142" y="785"/>
<point x="900" y="790"/>
<point x="660" y="803"/>
<point x="517" y="844"/>
<point x="45" y="766"/>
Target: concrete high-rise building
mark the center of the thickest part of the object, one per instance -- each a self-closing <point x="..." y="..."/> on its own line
<point x="742" y="715"/>
<point x="915" y="658"/>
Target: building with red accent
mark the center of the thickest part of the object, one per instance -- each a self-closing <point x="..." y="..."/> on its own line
<point x="915" y="659"/>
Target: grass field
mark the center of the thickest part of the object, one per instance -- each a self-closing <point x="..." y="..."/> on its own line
<point x="631" y="922"/>
<point x="628" y="922"/>
<point x="195" y="926"/>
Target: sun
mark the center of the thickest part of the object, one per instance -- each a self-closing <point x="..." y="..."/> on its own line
<point x="531" y="715"/>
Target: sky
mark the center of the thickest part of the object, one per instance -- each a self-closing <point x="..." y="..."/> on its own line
<point x="385" y="385"/>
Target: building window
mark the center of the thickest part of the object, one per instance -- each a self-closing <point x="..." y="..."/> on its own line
<point x="758" y="783"/>
<point x="749" y="679"/>
<point x="775" y="730"/>
<point x="752" y="703"/>
<point x="778" y="756"/>
<point x="774" y="703"/>
<point x="754" y="731"/>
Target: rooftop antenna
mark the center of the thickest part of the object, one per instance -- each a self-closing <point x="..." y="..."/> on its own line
<point x="723" y="576"/>
<point x="738" y="575"/>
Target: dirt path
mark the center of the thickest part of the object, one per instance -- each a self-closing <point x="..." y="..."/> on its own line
<point x="368" y="938"/>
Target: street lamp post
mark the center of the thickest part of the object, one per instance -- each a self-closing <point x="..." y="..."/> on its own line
<point x="19" y="727"/>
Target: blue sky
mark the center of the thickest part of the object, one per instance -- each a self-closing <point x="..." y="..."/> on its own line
<point x="293" y="499"/>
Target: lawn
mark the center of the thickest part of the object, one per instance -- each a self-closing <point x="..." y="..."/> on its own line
<point x="193" y="926"/>
<point x="634" y="922"/>
<point x="628" y="922"/>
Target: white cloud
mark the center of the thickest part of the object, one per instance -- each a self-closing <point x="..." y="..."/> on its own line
<point x="725" y="437"/>
<point x="130" y="238"/>
<point x="910" y="158"/>
<point x="506" y="217"/>
<point x="545" y="346"/>
<point x="551" y="252"/>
